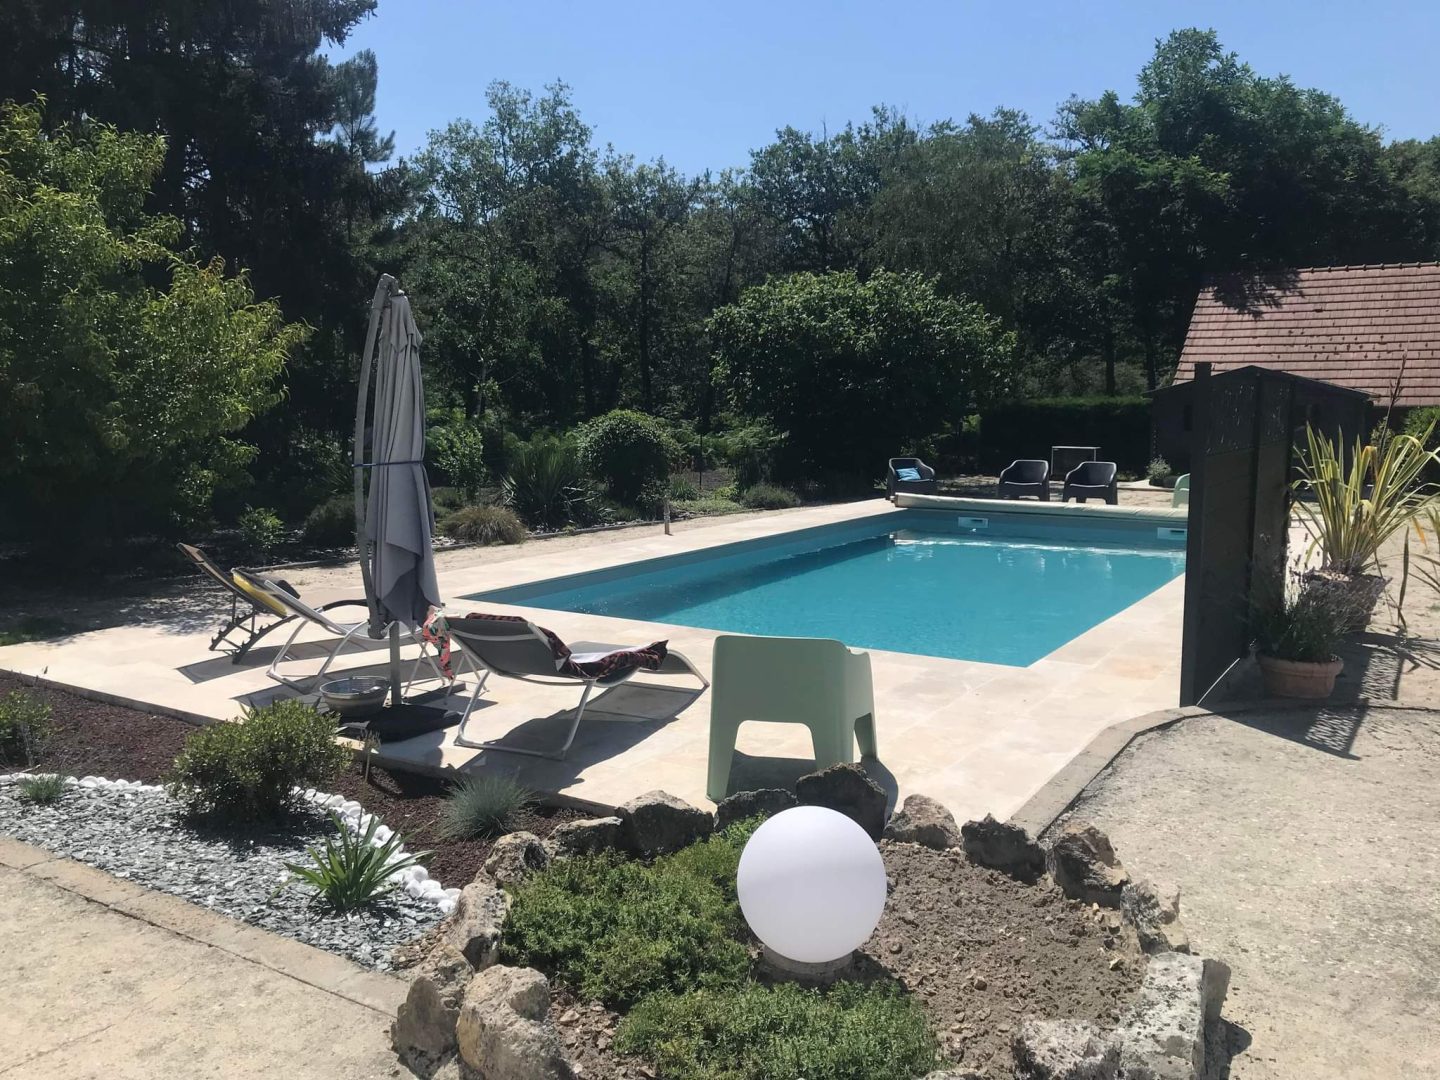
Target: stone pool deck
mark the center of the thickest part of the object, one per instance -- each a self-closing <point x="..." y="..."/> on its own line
<point x="981" y="738"/>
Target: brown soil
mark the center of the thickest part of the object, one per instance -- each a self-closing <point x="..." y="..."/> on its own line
<point x="979" y="950"/>
<point x="96" y="739"/>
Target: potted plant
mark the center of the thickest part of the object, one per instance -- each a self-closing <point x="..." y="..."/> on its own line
<point x="1297" y="630"/>
<point x="1359" y="499"/>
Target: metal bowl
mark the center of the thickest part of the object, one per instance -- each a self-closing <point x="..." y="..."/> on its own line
<point x="360" y="695"/>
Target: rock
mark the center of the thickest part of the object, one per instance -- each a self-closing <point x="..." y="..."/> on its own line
<point x="584" y="837"/>
<point x="922" y="820"/>
<point x="658" y="823"/>
<point x="1084" y="865"/>
<point x="1154" y="911"/>
<point x="424" y="1027"/>
<point x="1004" y="847"/>
<point x="956" y="1074"/>
<point x="474" y="931"/>
<point x="501" y="1033"/>
<point x="847" y="789"/>
<point x="1064" y="1050"/>
<point x="514" y="857"/>
<point x="748" y="804"/>
<point x="1163" y="1032"/>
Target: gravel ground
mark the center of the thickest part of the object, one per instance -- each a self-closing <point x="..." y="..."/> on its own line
<point x="140" y="836"/>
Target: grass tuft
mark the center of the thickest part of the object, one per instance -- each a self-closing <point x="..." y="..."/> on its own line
<point x="482" y="806"/>
<point x="41" y="789"/>
<point x="352" y="871"/>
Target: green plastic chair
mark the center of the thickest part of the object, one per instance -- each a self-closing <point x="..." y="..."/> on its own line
<point x="1181" y="495"/>
<point x="817" y="682"/>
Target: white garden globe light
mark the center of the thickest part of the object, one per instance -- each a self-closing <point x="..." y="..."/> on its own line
<point x="811" y="885"/>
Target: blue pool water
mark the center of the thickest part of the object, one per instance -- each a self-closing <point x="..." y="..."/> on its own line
<point x="1006" y="593"/>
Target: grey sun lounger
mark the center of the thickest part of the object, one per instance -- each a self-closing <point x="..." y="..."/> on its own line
<point x="1091" y="480"/>
<point x="1025" y="477"/>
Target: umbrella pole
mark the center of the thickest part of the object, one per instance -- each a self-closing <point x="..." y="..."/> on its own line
<point x="395" y="698"/>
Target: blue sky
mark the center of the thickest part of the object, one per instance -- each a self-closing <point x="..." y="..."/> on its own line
<point x="704" y="84"/>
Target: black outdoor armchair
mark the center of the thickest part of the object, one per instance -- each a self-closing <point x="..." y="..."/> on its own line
<point x="1026" y="476"/>
<point x="1091" y="480"/>
<point x="923" y="482"/>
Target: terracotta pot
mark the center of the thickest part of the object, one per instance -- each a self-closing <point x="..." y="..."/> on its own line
<point x="1298" y="679"/>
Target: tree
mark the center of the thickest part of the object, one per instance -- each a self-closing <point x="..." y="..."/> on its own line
<point x="857" y="371"/>
<point x="119" y="395"/>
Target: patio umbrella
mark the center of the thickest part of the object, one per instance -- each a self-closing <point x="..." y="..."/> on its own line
<point x="394" y="520"/>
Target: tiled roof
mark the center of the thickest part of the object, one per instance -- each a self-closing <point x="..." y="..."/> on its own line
<point x="1357" y="326"/>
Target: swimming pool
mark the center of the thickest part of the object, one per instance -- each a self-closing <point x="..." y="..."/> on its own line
<point x="999" y="589"/>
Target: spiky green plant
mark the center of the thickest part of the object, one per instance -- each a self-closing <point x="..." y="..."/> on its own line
<point x="482" y="806"/>
<point x="1361" y="498"/>
<point x="41" y="789"/>
<point x="353" y="870"/>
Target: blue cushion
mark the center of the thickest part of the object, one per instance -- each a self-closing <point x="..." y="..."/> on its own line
<point x="907" y="474"/>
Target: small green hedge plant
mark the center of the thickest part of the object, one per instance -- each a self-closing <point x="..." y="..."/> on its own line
<point x="758" y="1032"/>
<point x="616" y="930"/>
<point x="630" y="452"/>
<point x="332" y="523"/>
<point x="261" y="529"/>
<point x="25" y="727"/>
<point x="350" y="870"/>
<point x="1158" y="471"/>
<point x="247" y="770"/>
<point x="767" y="496"/>
<point x="482" y="806"/>
<point x="485" y="525"/>
<point x="41" y="789"/>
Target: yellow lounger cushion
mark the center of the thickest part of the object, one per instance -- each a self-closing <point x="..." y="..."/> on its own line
<point x="258" y="596"/>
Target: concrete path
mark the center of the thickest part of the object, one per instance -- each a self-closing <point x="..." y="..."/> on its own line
<point x="104" y="979"/>
<point x="1306" y="844"/>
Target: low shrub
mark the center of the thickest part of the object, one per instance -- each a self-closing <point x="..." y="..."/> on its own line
<point x="627" y="451"/>
<point x="41" y="789"/>
<point x="247" y="770"/>
<point x="485" y="525"/>
<point x="682" y="489"/>
<point x="482" y="806"/>
<point x="616" y="930"/>
<point x="708" y="505"/>
<point x="332" y="523"/>
<point x="765" y="496"/>
<point x="354" y="870"/>
<point x="447" y="498"/>
<point x="261" y="529"/>
<point x="26" y="725"/>
<point x="1158" y="471"/>
<point x="1304" y="622"/>
<point x="456" y="447"/>
<point x="758" y="1032"/>
<point x="545" y="484"/>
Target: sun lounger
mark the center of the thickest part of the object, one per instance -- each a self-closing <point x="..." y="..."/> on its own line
<point x="515" y="648"/>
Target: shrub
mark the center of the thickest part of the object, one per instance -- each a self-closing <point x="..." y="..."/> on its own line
<point x="682" y="489"/>
<point x="354" y="870"/>
<point x="25" y="727"/>
<point x="1120" y="426"/>
<point x="332" y="523"/>
<point x="41" y="789"/>
<point x="750" y="451"/>
<point x="546" y="485"/>
<point x="456" y="448"/>
<point x="711" y="504"/>
<point x="485" y="525"/>
<point x="1424" y="424"/>
<point x="850" y="369"/>
<point x="615" y="930"/>
<point x="761" y="1032"/>
<point x="482" y="806"/>
<point x="447" y="498"/>
<point x="261" y="529"/>
<point x="765" y="496"/>
<point x="246" y="770"/>
<point x="627" y="451"/>
<point x="1158" y="471"/>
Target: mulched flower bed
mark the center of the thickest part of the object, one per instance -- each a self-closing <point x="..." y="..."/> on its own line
<point x="119" y="743"/>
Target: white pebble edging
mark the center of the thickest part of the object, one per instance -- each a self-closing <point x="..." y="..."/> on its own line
<point x="415" y="881"/>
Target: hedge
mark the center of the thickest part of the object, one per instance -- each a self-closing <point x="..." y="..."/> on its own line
<point x="1119" y="426"/>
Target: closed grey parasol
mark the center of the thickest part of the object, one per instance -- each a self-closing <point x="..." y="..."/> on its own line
<point x="394" y="520"/>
